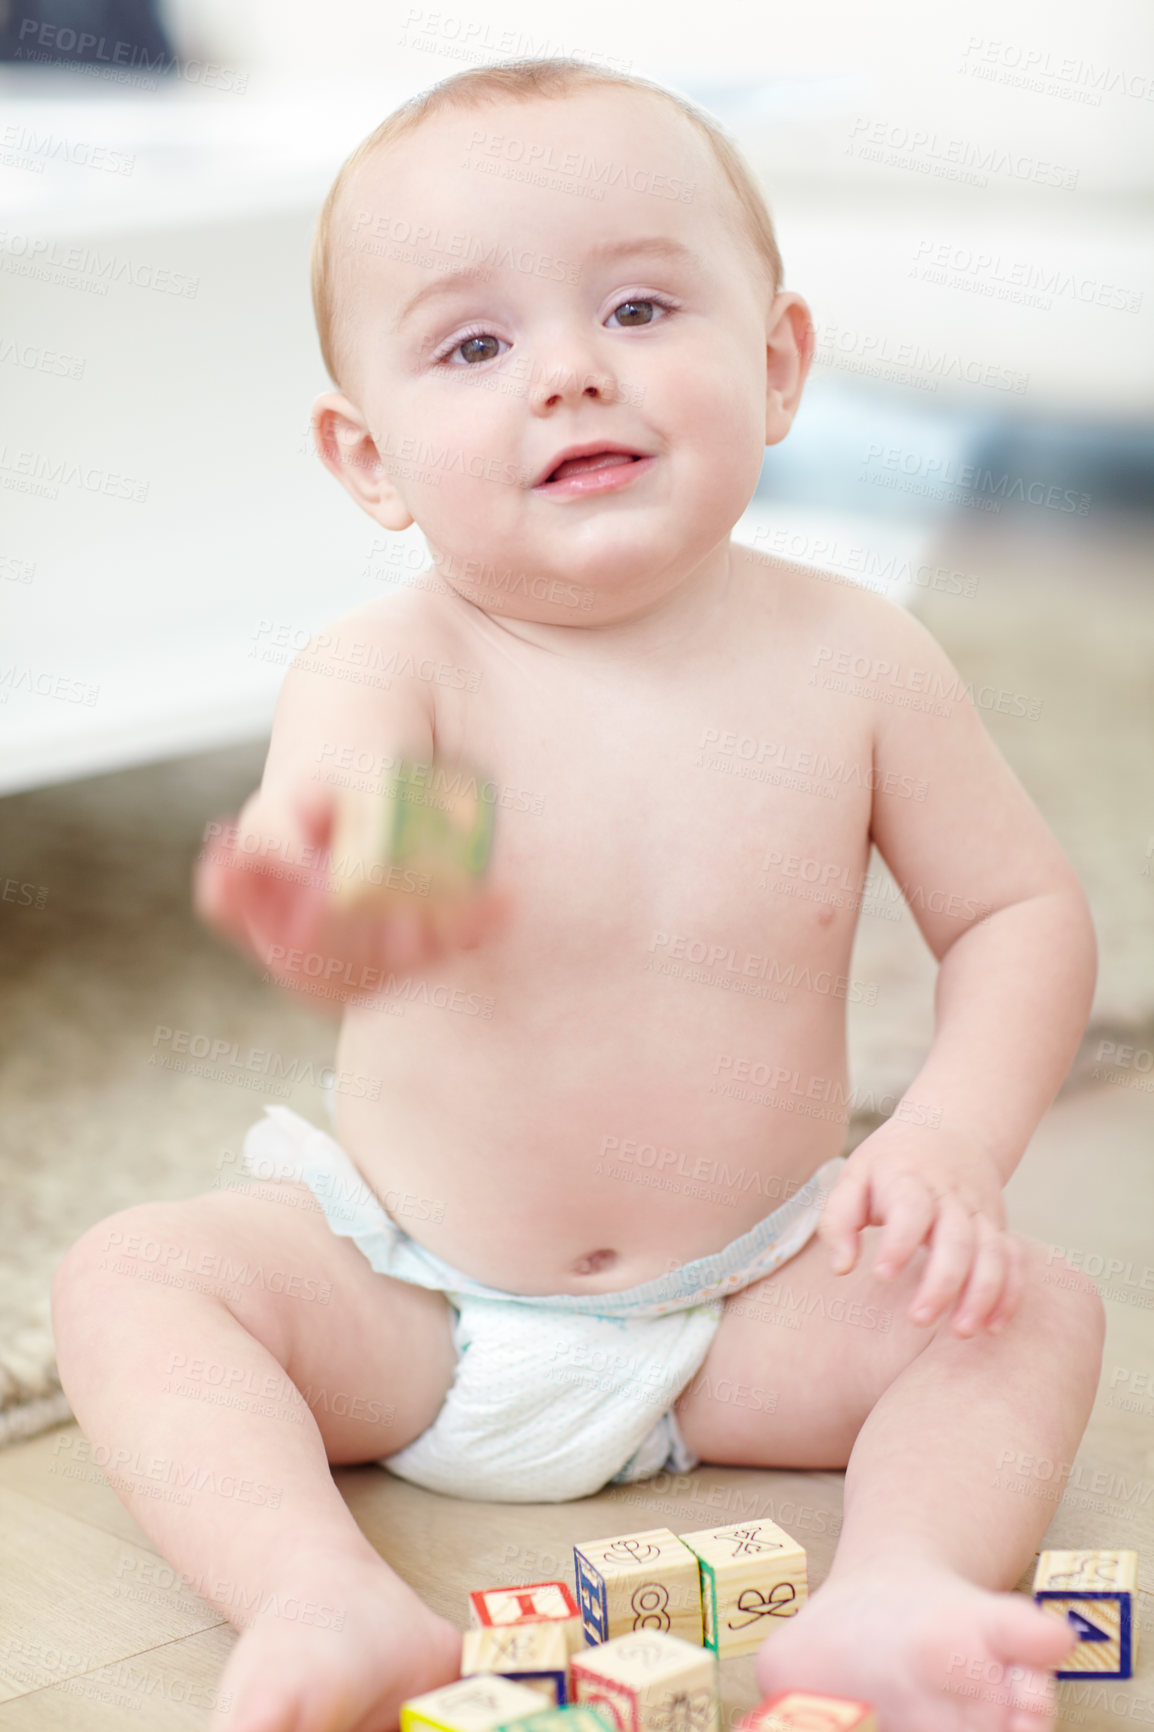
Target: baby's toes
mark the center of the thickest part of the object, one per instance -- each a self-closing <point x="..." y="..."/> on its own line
<point x="1019" y="1631"/>
<point x="1031" y="1644"/>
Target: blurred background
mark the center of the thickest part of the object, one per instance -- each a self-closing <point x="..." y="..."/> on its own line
<point x="964" y="196"/>
<point x="965" y="202"/>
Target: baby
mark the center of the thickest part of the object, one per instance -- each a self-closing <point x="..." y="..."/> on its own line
<point x="569" y="387"/>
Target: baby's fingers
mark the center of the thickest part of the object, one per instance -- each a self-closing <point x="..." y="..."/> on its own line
<point x="950" y="1261"/>
<point x="908" y="1209"/>
<point x="1012" y="1292"/>
<point x="845" y="1214"/>
<point x="987" y="1278"/>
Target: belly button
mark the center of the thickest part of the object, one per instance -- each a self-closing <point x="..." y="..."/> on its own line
<point x="594" y="1262"/>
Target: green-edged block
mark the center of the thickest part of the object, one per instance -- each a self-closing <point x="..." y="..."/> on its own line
<point x="422" y="828"/>
<point x="708" y="1605"/>
<point x="570" y="1719"/>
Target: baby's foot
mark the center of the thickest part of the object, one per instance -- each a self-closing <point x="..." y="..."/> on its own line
<point x="338" y="1651"/>
<point x="926" y="1647"/>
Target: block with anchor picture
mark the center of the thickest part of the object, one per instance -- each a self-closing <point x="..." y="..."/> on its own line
<point x="646" y="1581"/>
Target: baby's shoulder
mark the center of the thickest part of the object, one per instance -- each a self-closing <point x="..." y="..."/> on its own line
<point x="833" y="613"/>
<point x="414" y="619"/>
<point x="377" y="669"/>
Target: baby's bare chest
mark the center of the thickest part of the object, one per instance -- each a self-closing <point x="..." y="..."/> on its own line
<point x="683" y="858"/>
<point x="712" y="818"/>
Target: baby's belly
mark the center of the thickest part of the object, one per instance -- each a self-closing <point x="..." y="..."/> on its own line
<point x="603" y="1134"/>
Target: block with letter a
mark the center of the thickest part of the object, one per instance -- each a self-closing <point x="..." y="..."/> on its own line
<point x="1095" y="1592"/>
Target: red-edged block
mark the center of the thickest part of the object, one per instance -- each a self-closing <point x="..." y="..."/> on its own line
<point x="649" y="1681"/>
<point x="534" y="1603"/>
<point x="801" y="1711"/>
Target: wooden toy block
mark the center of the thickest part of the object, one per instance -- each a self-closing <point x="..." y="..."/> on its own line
<point x="477" y="1704"/>
<point x="646" y="1581"/>
<point x="1096" y="1593"/>
<point x="427" y="824"/>
<point x="571" y="1718"/>
<point x="533" y="1654"/>
<point x="649" y="1681"/>
<point x="752" y="1575"/>
<point x="535" y="1603"/>
<point x="799" y="1711"/>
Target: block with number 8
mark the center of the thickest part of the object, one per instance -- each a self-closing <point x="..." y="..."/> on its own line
<point x="646" y="1581"/>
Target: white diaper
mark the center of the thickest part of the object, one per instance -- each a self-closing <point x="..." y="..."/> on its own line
<point x="553" y="1396"/>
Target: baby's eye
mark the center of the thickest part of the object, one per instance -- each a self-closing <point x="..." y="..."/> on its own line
<point x="473" y="346"/>
<point x="637" y="306"/>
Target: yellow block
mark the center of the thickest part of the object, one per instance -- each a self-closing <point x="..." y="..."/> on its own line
<point x="470" y="1705"/>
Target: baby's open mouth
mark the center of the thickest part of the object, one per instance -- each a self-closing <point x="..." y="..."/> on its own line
<point x="588" y="461"/>
<point x="593" y="460"/>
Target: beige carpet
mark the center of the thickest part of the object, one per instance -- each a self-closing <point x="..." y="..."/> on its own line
<point x="90" y="1121"/>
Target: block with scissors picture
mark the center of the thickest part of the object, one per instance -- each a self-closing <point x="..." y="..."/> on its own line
<point x="753" y="1575"/>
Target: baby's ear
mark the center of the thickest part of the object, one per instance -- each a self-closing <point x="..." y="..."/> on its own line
<point x="348" y="450"/>
<point x="789" y="349"/>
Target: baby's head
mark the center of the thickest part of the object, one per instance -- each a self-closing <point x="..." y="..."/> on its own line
<point x="538" y="256"/>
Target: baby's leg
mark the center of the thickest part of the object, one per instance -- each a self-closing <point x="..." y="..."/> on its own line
<point x="938" y="1511"/>
<point x="251" y="1296"/>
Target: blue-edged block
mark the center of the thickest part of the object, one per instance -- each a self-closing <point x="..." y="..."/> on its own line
<point x="1095" y="1591"/>
<point x="592" y="1599"/>
<point x="642" y="1581"/>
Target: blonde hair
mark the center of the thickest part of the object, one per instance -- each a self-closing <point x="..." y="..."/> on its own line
<point x="525" y="81"/>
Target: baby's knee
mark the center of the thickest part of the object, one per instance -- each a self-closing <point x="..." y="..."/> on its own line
<point x="133" y="1245"/>
<point x="1058" y="1290"/>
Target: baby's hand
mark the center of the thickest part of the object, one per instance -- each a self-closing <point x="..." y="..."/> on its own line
<point x="307" y="888"/>
<point x="927" y="1187"/>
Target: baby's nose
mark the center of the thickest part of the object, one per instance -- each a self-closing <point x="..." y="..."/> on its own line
<point x="563" y="383"/>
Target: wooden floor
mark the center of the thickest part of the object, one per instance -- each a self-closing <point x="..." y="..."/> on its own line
<point x="97" y="1634"/>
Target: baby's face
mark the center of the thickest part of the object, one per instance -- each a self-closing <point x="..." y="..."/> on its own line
<point x="634" y="320"/>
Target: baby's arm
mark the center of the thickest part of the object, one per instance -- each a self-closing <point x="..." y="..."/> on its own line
<point x="999" y="905"/>
<point x="268" y="881"/>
